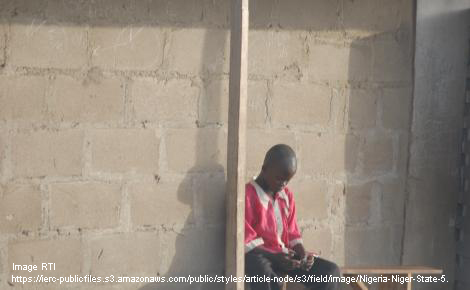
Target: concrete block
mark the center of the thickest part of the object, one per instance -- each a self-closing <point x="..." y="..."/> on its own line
<point x="165" y="101"/>
<point x="63" y="46"/>
<point x="362" y="108"/>
<point x="310" y="15"/>
<point x="407" y="15"/>
<point x="396" y="104"/>
<point x="426" y="199"/>
<point x="205" y="245"/>
<point x="86" y="205"/>
<point x="3" y="37"/>
<point x="125" y="150"/>
<point x="99" y="100"/>
<point x="264" y="14"/>
<point x="340" y="113"/>
<point x="136" y="254"/>
<point x="311" y="197"/>
<point x="392" y="61"/>
<point x="276" y="53"/>
<point x="257" y="98"/>
<point x="360" y="202"/>
<point x="218" y="13"/>
<point x="66" y="254"/>
<point x="166" y="202"/>
<point x="334" y="62"/>
<point x="76" y="12"/>
<point x="208" y="53"/>
<point x="210" y="199"/>
<point x="3" y="149"/>
<point x="204" y="149"/>
<point x="21" y="9"/>
<point x="121" y="12"/>
<point x="319" y="241"/>
<point x="402" y="159"/>
<point x="301" y="104"/>
<point x="337" y="201"/>
<point x="259" y="142"/>
<point x="371" y="246"/>
<point x="372" y="15"/>
<point x="176" y="12"/>
<point x="42" y="153"/>
<point x="22" y="98"/>
<point x="328" y="153"/>
<point x="215" y="102"/>
<point x="20" y="208"/>
<point x="378" y="155"/>
<point x="128" y="48"/>
<point x="393" y="200"/>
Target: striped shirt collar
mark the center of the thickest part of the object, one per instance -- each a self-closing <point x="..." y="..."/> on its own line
<point x="264" y="197"/>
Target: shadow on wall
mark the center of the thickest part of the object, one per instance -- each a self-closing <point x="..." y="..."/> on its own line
<point x="304" y="15"/>
<point x="378" y="105"/>
<point x="197" y="249"/>
<point x="402" y="190"/>
<point x="378" y="101"/>
<point x="441" y="61"/>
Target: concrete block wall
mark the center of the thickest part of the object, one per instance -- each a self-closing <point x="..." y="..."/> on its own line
<point x="462" y="219"/>
<point x="113" y="127"/>
<point x="436" y="139"/>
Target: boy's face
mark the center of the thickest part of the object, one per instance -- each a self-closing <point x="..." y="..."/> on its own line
<point x="277" y="176"/>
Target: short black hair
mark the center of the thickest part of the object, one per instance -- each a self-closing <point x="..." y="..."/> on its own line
<point x="281" y="154"/>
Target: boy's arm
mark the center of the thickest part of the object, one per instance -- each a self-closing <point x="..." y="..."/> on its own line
<point x="252" y="240"/>
<point x="295" y="238"/>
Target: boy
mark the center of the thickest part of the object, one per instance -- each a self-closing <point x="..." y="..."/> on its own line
<point x="273" y="243"/>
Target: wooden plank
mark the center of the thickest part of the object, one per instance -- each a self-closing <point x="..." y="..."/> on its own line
<point x="236" y="145"/>
<point x="361" y="285"/>
<point x="390" y="285"/>
<point x="357" y="285"/>
<point x="391" y="270"/>
<point x="410" y="279"/>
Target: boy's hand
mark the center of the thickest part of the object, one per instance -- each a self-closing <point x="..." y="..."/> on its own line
<point x="285" y="261"/>
<point x="299" y="251"/>
<point x="309" y="260"/>
<point x="291" y="253"/>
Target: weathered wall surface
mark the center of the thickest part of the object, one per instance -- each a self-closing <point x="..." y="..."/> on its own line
<point x="113" y="130"/>
<point x="462" y="217"/>
<point x="442" y="38"/>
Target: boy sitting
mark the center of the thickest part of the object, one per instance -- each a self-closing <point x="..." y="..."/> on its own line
<point x="273" y="243"/>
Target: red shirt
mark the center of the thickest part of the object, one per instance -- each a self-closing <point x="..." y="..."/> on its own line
<point x="270" y="223"/>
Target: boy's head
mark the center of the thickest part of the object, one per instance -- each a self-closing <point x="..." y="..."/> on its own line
<point x="279" y="166"/>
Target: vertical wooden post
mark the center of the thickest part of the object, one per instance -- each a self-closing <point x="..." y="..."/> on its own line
<point x="236" y="145"/>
